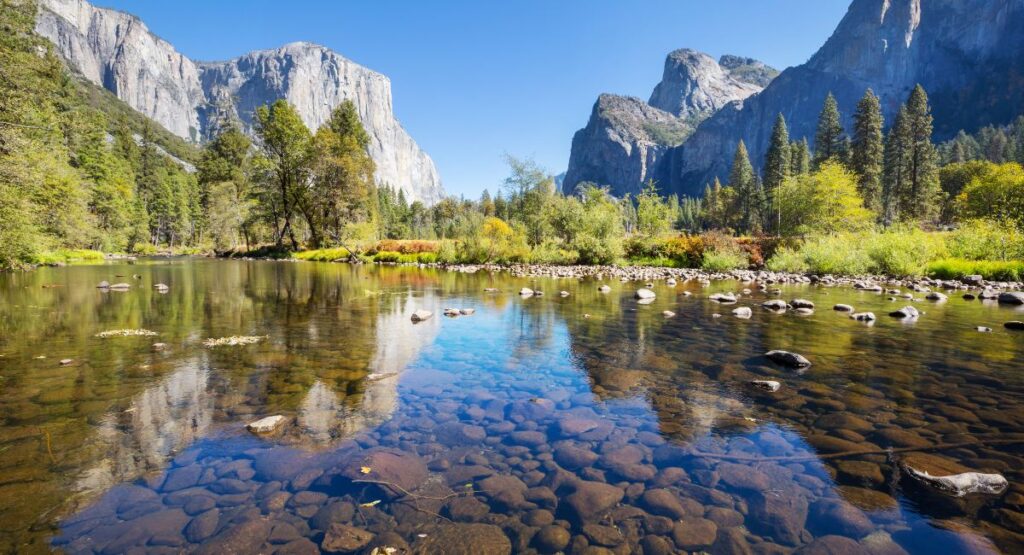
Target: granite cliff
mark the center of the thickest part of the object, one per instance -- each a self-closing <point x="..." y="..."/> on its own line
<point x="192" y="99"/>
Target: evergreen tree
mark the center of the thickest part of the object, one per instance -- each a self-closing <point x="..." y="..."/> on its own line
<point x="923" y="172"/>
<point x="776" y="168"/>
<point x="867" y="154"/>
<point x="828" y="139"/>
<point x="741" y="179"/>
<point x="894" y="182"/>
<point x="800" y="157"/>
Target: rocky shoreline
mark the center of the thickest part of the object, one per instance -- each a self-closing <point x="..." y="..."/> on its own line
<point x="764" y="277"/>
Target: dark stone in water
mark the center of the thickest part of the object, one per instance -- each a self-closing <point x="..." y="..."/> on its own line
<point x="786" y="358"/>
<point x="591" y="499"/>
<point x="464" y="539"/>
<point x="401" y="468"/>
<point x="1014" y="325"/>
<point x="780" y="516"/>
<point x="551" y="539"/>
<point x="341" y="538"/>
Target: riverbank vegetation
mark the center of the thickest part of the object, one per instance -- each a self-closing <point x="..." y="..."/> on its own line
<point x="80" y="170"/>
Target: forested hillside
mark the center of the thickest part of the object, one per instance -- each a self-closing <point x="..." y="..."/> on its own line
<point x="78" y="168"/>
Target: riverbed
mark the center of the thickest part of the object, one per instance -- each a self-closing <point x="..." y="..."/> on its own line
<point x="586" y="422"/>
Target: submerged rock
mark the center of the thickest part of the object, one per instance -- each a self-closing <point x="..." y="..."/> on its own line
<point x="801" y="303"/>
<point x="103" y="285"/>
<point x="604" y="289"/>
<point x="563" y="293"/>
<point x="1014" y="325"/>
<point x="723" y="297"/>
<point x="767" y="385"/>
<point x="668" y="313"/>
<point x="451" y="312"/>
<point x="526" y="292"/>
<point x="936" y="296"/>
<point x="591" y="500"/>
<point x="775" y="304"/>
<point x="787" y="358"/>
<point x="842" y="308"/>
<point x="421" y="315"/>
<point x="161" y="288"/>
<point x="464" y="539"/>
<point x="341" y="538"/>
<point x="742" y="312"/>
<point x="266" y="425"/>
<point x="949" y="476"/>
<point x="863" y="316"/>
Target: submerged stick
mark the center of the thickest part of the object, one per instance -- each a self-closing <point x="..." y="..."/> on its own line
<point x="844" y="454"/>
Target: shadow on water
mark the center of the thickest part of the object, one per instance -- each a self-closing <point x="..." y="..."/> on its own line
<point x="519" y="417"/>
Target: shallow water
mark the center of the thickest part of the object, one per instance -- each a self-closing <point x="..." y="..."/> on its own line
<point x="514" y="417"/>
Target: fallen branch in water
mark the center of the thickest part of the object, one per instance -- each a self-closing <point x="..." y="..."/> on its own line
<point x="852" y="453"/>
<point x="411" y="494"/>
<point x="49" y="450"/>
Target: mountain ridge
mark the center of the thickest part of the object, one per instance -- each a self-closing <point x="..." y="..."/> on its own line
<point x="192" y="99"/>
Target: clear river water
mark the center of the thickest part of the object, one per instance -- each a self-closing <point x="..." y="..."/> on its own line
<point x="589" y="423"/>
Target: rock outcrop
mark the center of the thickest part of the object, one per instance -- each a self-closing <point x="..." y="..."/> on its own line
<point x="625" y="140"/>
<point x="192" y="99"/>
<point x="968" y="55"/>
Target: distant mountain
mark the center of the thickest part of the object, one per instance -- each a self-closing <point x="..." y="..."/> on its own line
<point x="193" y="99"/>
<point x="625" y="140"/>
<point x="968" y="55"/>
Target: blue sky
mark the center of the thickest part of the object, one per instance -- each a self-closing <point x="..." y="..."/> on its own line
<point x="473" y="80"/>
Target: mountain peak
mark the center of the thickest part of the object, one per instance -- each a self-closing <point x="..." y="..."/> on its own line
<point x="694" y="85"/>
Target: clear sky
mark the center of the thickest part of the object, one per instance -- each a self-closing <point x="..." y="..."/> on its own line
<point x="473" y="80"/>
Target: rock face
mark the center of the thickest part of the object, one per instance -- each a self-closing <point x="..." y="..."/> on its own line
<point x="625" y="140"/>
<point x="694" y="85"/>
<point x="193" y="99"/>
<point x="964" y="53"/>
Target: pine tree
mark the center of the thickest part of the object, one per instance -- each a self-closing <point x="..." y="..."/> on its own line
<point x="800" y="157"/>
<point x="923" y="162"/>
<point x="894" y="182"/>
<point x="828" y="139"/>
<point x="776" y="166"/>
<point x="741" y="179"/>
<point x="867" y="154"/>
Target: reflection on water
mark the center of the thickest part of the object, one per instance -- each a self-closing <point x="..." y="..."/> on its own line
<point x="554" y="424"/>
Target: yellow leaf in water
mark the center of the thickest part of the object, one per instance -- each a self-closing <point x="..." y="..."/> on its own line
<point x="364" y="469"/>
<point x="370" y="504"/>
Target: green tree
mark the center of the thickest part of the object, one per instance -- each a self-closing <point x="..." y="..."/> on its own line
<point x="800" y="157"/>
<point x="776" y="167"/>
<point x="285" y="142"/>
<point x="996" y="194"/>
<point x="825" y="201"/>
<point x="922" y="173"/>
<point x="867" y="153"/>
<point x="895" y="173"/>
<point x="342" y="177"/>
<point x="743" y="182"/>
<point x="653" y="216"/>
<point x="828" y="139"/>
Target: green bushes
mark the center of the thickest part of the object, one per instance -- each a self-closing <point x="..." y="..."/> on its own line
<point x="723" y="260"/>
<point x="67" y="256"/>
<point x="957" y="268"/>
<point x="986" y="240"/>
<point x="903" y="252"/>
<point x="323" y="255"/>
<point x="896" y="252"/>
